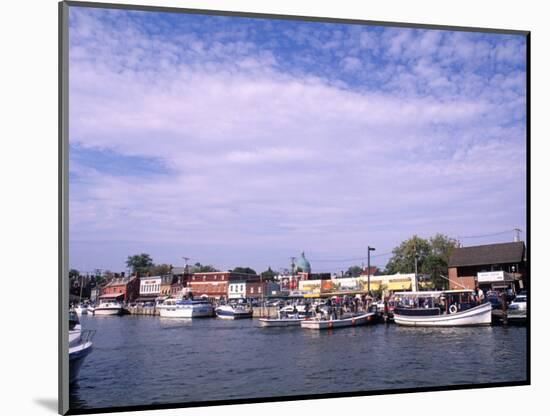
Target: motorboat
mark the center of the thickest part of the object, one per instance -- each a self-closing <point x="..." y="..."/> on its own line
<point x="80" y="345"/>
<point x="346" y="320"/>
<point x="287" y="316"/>
<point x="234" y="311"/>
<point x="108" y="308"/>
<point x="81" y="309"/>
<point x="182" y="308"/>
<point x="517" y="310"/>
<point x="443" y="308"/>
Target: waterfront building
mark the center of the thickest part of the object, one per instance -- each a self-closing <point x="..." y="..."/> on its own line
<point x="124" y="289"/>
<point x="166" y="285"/>
<point x="491" y="266"/>
<point x="149" y="288"/>
<point x="216" y="284"/>
<point x="181" y="276"/>
<point x="358" y="285"/>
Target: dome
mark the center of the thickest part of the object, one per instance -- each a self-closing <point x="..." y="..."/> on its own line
<point x="303" y="264"/>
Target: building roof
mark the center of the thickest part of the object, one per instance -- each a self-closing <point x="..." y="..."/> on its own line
<point x="488" y="254"/>
<point x="120" y="281"/>
<point x="303" y="263"/>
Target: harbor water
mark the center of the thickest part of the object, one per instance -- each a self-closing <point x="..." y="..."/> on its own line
<point x="143" y="360"/>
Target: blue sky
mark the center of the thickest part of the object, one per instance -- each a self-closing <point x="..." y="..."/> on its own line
<point x="238" y="141"/>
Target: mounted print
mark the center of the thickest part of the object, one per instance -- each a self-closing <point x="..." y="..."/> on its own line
<point x="267" y="208"/>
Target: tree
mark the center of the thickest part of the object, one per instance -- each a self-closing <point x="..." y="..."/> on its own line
<point x="404" y="255"/>
<point x="354" y="271"/>
<point x="139" y="263"/>
<point x="199" y="268"/>
<point x="432" y="257"/>
<point x="160" y="269"/>
<point x="268" y="274"/>
<point x="245" y="270"/>
<point x="73" y="273"/>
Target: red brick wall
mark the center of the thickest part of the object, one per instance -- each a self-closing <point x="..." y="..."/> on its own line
<point x="208" y="288"/>
<point x="469" y="282"/>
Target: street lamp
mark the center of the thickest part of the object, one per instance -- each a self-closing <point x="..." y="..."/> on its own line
<point x="368" y="267"/>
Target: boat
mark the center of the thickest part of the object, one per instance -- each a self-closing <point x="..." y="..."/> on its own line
<point x="182" y="308"/>
<point x="517" y="310"/>
<point x="81" y="309"/>
<point x="234" y="311"/>
<point x="80" y="345"/>
<point x="444" y="308"/>
<point x="108" y="308"/>
<point x="287" y="316"/>
<point x="346" y="320"/>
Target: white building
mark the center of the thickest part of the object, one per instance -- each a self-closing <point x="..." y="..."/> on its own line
<point x="149" y="287"/>
<point x="237" y="290"/>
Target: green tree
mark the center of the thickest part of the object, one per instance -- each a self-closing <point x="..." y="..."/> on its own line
<point x="354" y="271"/>
<point x="246" y="270"/>
<point x="139" y="263"/>
<point x="404" y="255"/>
<point x="199" y="268"/>
<point x="268" y="274"/>
<point x="73" y="273"/>
<point x="432" y="256"/>
<point x="160" y="269"/>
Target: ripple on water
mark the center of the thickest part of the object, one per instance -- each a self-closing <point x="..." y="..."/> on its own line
<point x="142" y="360"/>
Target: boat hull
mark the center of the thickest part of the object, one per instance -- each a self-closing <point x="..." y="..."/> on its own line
<point x="224" y="313"/>
<point x="337" y="323"/>
<point x="268" y="323"/>
<point x="186" y="312"/>
<point x="77" y="355"/>
<point x="478" y="315"/>
<point x="108" y="311"/>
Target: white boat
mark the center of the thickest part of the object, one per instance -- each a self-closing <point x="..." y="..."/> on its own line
<point x="108" y="308"/>
<point x="446" y="308"/>
<point x="80" y="345"/>
<point x="75" y="328"/>
<point x="287" y="316"/>
<point x="279" y="322"/>
<point x="81" y="309"/>
<point x="180" y="308"/>
<point x="345" y="321"/>
<point x="517" y="310"/>
<point x="238" y="311"/>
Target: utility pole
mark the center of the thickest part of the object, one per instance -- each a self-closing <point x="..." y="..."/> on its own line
<point x="517" y="235"/>
<point x="292" y="265"/>
<point x="369" y="249"/>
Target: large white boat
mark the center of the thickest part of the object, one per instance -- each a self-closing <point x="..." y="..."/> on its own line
<point x="238" y="311"/>
<point x="180" y="308"/>
<point x="81" y="309"/>
<point x="445" y="308"/>
<point x="80" y="345"/>
<point x="517" y="310"/>
<point x="108" y="308"/>
<point x="346" y="320"/>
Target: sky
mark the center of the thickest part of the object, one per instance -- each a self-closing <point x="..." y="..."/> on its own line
<point x="243" y="142"/>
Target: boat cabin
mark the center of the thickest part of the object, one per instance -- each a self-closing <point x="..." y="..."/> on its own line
<point x="434" y="302"/>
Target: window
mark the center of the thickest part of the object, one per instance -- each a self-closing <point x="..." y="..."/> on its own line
<point x="259" y="290"/>
<point x="241" y="288"/>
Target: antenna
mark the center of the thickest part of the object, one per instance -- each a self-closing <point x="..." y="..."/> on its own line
<point x="186" y="260"/>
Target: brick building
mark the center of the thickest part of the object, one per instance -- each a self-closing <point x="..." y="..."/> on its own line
<point x="492" y="267"/>
<point x="215" y="284"/>
<point x="124" y="289"/>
